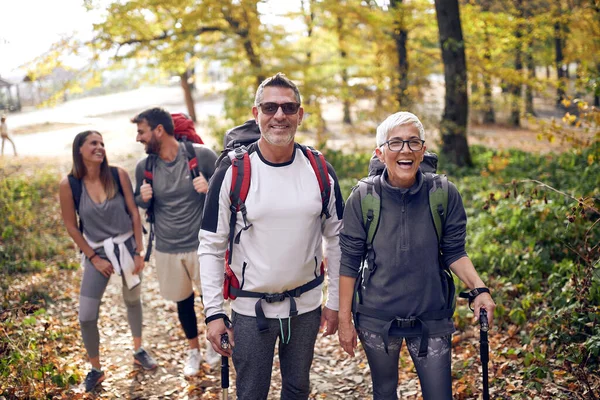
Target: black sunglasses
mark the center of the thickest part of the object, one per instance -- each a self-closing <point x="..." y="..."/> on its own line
<point x="272" y="108"/>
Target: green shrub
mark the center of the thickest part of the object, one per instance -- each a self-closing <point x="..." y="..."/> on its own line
<point x="31" y="229"/>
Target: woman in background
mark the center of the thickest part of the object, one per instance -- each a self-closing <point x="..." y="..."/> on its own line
<point x="110" y="239"/>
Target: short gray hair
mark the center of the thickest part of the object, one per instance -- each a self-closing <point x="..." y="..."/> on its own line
<point x="398" y="119"/>
<point x="277" y="80"/>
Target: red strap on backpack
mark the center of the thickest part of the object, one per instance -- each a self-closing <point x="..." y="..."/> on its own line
<point x="230" y="280"/>
<point x="319" y="166"/>
<point x="240" y="186"/>
<point x="240" y="168"/>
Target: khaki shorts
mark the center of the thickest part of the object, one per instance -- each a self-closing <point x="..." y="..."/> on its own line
<point x="177" y="273"/>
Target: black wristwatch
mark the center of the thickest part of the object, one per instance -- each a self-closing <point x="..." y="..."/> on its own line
<point x="472" y="294"/>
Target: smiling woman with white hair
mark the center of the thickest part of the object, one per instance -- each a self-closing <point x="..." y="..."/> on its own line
<point x="394" y="274"/>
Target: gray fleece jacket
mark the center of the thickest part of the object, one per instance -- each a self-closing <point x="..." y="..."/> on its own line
<point x="407" y="280"/>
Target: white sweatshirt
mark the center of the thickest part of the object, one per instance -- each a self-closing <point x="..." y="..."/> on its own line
<point x="284" y="247"/>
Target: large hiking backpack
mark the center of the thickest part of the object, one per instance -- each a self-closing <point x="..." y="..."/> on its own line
<point x="183" y="129"/>
<point x="370" y="200"/>
<point x="185" y="133"/>
<point x="242" y="135"/>
<point x="76" y="189"/>
<point x="238" y="148"/>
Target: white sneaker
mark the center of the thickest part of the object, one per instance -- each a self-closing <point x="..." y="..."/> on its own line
<point x="192" y="364"/>
<point x="211" y="357"/>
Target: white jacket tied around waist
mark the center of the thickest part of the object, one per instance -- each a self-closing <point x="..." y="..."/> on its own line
<point x="125" y="264"/>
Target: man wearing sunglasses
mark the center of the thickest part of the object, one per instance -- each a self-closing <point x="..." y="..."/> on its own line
<point x="280" y="242"/>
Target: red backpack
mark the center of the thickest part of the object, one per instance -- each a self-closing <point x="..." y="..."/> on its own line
<point x="183" y="129"/>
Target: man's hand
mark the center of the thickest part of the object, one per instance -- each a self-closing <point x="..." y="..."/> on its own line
<point x="214" y="330"/>
<point x="139" y="264"/>
<point x="484" y="300"/>
<point x="347" y="336"/>
<point x="329" y="318"/>
<point x="146" y="191"/>
<point x="200" y="184"/>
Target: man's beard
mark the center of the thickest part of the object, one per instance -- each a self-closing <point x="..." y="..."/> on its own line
<point x="153" y="146"/>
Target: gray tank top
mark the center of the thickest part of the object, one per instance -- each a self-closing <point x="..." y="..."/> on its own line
<point x="104" y="220"/>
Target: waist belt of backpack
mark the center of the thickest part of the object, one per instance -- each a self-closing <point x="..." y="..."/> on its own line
<point x="409" y="322"/>
<point x="261" y="320"/>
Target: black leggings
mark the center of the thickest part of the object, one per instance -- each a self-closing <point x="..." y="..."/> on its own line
<point x="187" y="317"/>
<point x="434" y="370"/>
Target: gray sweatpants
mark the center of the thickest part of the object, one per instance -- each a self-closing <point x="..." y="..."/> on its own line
<point x="254" y="351"/>
<point x="93" y="286"/>
<point x="434" y="370"/>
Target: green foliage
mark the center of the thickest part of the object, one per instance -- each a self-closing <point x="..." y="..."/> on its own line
<point x="349" y="167"/>
<point x="32" y="240"/>
<point x="540" y="240"/>
<point x="30" y="349"/>
<point x="29" y="221"/>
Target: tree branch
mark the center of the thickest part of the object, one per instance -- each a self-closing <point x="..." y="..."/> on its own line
<point x="166" y="34"/>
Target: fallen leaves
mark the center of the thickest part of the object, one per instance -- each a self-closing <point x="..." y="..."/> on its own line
<point x="334" y="375"/>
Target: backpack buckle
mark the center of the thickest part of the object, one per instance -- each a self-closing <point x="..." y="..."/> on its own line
<point x="239" y="152"/>
<point x="405" y="322"/>
<point x="274" y="297"/>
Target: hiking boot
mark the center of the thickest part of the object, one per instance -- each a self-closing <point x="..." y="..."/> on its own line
<point x="192" y="364"/>
<point x="211" y="357"/>
<point x="142" y="359"/>
<point x="93" y="378"/>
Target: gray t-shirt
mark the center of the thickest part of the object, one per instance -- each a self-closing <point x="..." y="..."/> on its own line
<point x="177" y="206"/>
<point x="105" y="220"/>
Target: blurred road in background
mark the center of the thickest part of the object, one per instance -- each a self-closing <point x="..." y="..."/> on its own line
<point x="50" y="131"/>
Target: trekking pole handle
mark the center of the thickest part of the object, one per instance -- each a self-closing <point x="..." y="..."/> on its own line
<point x="483" y="320"/>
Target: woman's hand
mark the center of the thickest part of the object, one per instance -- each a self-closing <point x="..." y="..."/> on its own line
<point x="139" y="264"/>
<point x="484" y="300"/>
<point x="103" y="266"/>
<point x="347" y="336"/>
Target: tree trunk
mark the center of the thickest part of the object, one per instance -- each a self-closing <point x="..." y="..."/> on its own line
<point x="489" y="116"/>
<point x="560" y="72"/>
<point x="187" y="94"/>
<point x="311" y="101"/>
<point x="515" y="87"/>
<point x="597" y="91"/>
<point x="453" y="127"/>
<point x="344" y="59"/>
<point x="529" y="109"/>
<point x="400" y="36"/>
<point x="242" y="26"/>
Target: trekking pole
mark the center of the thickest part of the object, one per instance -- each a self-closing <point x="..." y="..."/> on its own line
<point x="484" y="350"/>
<point x="225" y="367"/>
